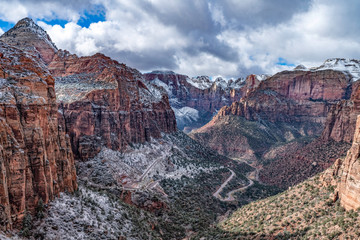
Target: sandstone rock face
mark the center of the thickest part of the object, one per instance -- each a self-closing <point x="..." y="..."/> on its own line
<point x="196" y="100"/>
<point x="28" y="36"/>
<point x="293" y="96"/>
<point x="297" y="102"/>
<point x="36" y="160"/>
<point x="349" y="186"/>
<point x="341" y="120"/>
<point x="107" y="104"/>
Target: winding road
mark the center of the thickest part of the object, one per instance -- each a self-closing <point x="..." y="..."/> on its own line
<point x="230" y="196"/>
<point x="217" y="193"/>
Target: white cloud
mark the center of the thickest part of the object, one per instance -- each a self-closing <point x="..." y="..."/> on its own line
<point x="227" y="38"/>
<point x="1" y="31"/>
<point x="307" y="39"/>
<point x="14" y="10"/>
<point x="205" y="64"/>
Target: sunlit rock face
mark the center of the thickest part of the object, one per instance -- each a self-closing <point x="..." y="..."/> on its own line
<point x="349" y="185"/>
<point x="36" y="160"/>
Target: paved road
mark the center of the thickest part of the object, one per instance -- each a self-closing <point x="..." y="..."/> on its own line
<point x="217" y="193"/>
<point x="230" y="196"/>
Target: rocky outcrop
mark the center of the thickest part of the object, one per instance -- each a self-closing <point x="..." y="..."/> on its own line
<point x="279" y="120"/>
<point x="107" y="104"/>
<point x="349" y="174"/>
<point x="28" y="36"/>
<point x="295" y="103"/>
<point x="196" y="100"/>
<point x="293" y="96"/>
<point x="341" y="120"/>
<point x="36" y="161"/>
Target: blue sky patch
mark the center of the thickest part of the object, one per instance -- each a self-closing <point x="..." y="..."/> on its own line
<point x="55" y="22"/>
<point x="284" y="62"/>
<point x="95" y="14"/>
<point x="5" y="25"/>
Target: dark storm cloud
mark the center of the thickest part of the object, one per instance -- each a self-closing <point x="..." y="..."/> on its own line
<point x="148" y="60"/>
<point x="254" y="13"/>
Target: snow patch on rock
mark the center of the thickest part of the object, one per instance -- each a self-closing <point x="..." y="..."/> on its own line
<point x="186" y="114"/>
<point x="350" y="66"/>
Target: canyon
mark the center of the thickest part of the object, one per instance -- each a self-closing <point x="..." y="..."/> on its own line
<point x="196" y="100"/>
<point x="293" y="125"/>
<point x="104" y="147"/>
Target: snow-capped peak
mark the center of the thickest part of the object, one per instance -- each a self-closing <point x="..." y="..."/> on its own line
<point x="27" y="25"/>
<point x="351" y="66"/>
<point x="300" y="67"/>
<point x="201" y="82"/>
<point x="261" y="77"/>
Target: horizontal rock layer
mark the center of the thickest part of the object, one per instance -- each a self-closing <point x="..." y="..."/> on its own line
<point x="293" y="96"/>
<point x="107" y="104"/>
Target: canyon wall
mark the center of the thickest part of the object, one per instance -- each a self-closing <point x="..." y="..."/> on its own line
<point x="293" y="96"/>
<point x="196" y="100"/>
<point x="107" y="104"/>
<point x="349" y="174"/>
<point x="36" y="161"/>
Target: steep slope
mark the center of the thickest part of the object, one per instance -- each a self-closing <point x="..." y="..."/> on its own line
<point x="341" y="120"/>
<point x="288" y="111"/>
<point x="171" y="182"/>
<point x="310" y="210"/>
<point x="348" y="172"/>
<point x="306" y="211"/>
<point x="293" y="96"/>
<point x="124" y="131"/>
<point x="36" y="160"/>
<point x="103" y="102"/>
<point x="298" y="98"/>
<point x="29" y="37"/>
<point x="106" y="103"/>
<point x="196" y="100"/>
<point x="333" y="143"/>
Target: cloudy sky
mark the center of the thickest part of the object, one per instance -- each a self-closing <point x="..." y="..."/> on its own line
<point x="231" y="38"/>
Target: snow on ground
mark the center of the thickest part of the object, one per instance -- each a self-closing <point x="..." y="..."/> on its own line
<point x="186" y="114"/>
<point x="86" y="214"/>
<point x="201" y="82"/>
<point x="3" y="236"/>
<point x="140" y="166"/>
<point x="204" y="82"/>
<point x="350" y="66"/>
<point x="74" y="87"/>
<point x="160" y="83"/>
<point x="153" y="94"/>
<point x="262" y="77"/>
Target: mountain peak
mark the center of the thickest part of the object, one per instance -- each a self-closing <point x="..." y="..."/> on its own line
<point x="27" y="35"/>
<point x="25" y="22"/>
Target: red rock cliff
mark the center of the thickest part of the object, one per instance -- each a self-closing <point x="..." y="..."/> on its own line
<point x="292" y="96"/>
<point x="28" y="36"/>
<point x="36" y="160"/>
<point x="107" y="104"/>
<point x="211" y="97"/>
<point x="349" y="185"/>
<point x="341" y="120"/>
